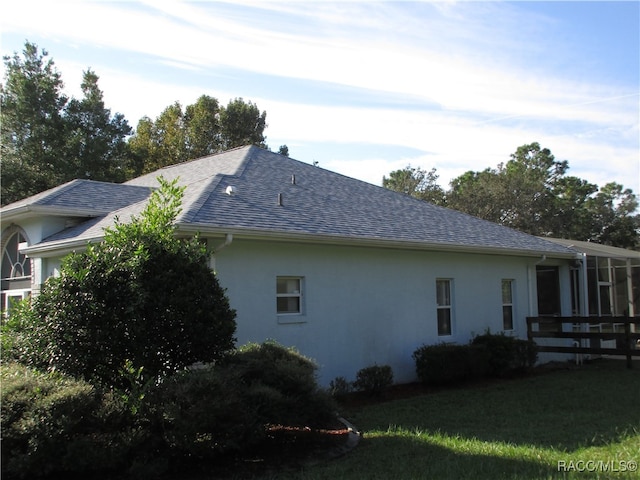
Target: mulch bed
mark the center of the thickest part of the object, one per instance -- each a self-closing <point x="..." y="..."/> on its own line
<point x="285" y="448"/>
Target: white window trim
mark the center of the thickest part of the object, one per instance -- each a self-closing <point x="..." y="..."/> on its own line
<point x="511" y="304"/>
<point x="445" y="307"/>
<point x="292" y="317"/>
<point x="10" y="295"/>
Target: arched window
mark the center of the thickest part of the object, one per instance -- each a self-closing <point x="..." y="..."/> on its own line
<point x="15" y="270"/>
<point x="15" y="264"/>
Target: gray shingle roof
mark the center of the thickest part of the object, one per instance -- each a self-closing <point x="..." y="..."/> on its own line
<point x="598" y="250"/>
<point x="316" y="204"/>
<point x="86" y="196"/>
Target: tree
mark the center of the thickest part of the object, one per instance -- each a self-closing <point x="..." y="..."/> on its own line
<point x="519" y="194"/>
<point x="283" y="150"/>
<point x="202" y="123"/>
<point x="162" y="142"/>
<point x="141" y="300"/>
<point x="48" y="139"/>
<point x="241" y="124"/>
<point x="612" y="212"/>
<point x="96" y="142"/>
<point x="528" y="180"/>
<point x="570" y="216"/>
<point x="417" y="183"/>
<point x="31" y="125"/>
<point x="202" y="129"/>
<point x="479" y="194"/>
<point x="532" y="193"/>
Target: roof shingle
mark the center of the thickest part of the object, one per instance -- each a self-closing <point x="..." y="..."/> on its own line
<point x="279" y="195"/>
<point x="85" y="195"/>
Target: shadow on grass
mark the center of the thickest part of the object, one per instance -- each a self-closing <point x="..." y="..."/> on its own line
<point x="403" y="457"/>
<point x="563" y="410"/>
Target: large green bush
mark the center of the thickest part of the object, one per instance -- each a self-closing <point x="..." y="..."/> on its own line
<point x="228" y="407"/>
<point x="56" y="425"/>
<point x="505" y="354"/>
<point x="288" y="391"/>
<point x="141" y="298"/>
<point x="18" y="337"/>
<point x="493" y="355"/>
<point x="447" y="363"/>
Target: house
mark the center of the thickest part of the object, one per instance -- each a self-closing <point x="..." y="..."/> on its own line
<point x="349" y="273"/>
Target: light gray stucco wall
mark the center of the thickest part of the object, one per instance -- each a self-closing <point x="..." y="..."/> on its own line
<point x="366" y="306"/>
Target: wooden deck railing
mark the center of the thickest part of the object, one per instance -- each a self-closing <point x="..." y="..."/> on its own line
<point x="625" y="331"/>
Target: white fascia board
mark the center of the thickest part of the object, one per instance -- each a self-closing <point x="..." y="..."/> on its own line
<point x="28" y="211"/>
<point x="58" y="249"/>
<point x="64" y="247"/>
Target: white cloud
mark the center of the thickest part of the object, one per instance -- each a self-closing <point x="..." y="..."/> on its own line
<point x="463" y="58"/>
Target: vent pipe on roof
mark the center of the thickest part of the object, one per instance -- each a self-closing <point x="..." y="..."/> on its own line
<point x="293" y="179"/>
<point x="279" y="199"/>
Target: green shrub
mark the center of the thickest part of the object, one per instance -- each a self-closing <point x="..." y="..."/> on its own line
<point x="228" y="406"/>
<point x="447" y="363"/>
<point x="340" y="387"/>
<point x="56" y="425"/>
<point x="500" y="350"/>
<point x="203" y="413"/>
<point x="295" y="398"/>
<point x="19" y="341"/>
<point x="374" y="380"/>
<point x="141" y="296"/>
<point x="526" y="355"/>
<point x="506" y="354"/>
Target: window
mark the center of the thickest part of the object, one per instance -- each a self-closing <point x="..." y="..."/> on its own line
<point x="9" y="299"/>
<point x="443" y="300"/>
<point x="548" y="283"/>
<point x="289" y="295"/>
<point x="15" y="271"/>
<point x="507" y="304"/>
<point x="15" y="264"/>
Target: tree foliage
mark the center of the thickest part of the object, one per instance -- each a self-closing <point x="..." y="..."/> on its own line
<point x="283" y="150"/>
<point x="519" y="194"/>
<point x="533" y="194"/>
<point x="242" y="123"/>
<point x="31" y="125"/>
<point x="417" y="183"/>
<point x="96" y="140"/>
<point x="140" y="300"/>
<point x="49" y="139"/>
<point x="201" y="129"/>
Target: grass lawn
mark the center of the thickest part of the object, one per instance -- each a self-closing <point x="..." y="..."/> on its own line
<point x="586" y="419"/>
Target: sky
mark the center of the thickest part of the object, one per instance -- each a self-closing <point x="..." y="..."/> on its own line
<point x="364" y="88"/>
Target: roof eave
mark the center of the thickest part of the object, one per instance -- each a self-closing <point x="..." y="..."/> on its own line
<point x="58" y="249"/>
<point x="27" y="211"/>
<point x="327" y="239"/>
<point x="64" y="247"/>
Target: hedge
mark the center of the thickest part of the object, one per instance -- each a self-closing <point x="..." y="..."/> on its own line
<point x="487" y="355"/>
<point x="55" y="425"/>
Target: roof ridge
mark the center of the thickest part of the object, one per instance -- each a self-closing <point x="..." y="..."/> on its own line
<point x="55" y="192"/>
<point x="192" y="160"/>
<point x="195" y="206"/>
<point x="214" y="181"/>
